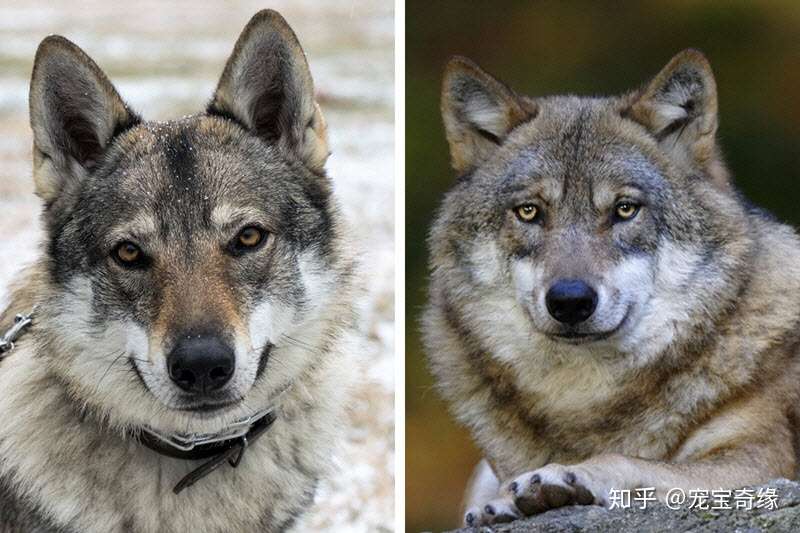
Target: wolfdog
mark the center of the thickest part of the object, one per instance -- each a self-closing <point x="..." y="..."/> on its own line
<point x="606" y="311"/>
<point x="192" y="307"/>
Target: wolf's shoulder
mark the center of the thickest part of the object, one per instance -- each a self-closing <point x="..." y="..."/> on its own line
<point x="774" y="235"/>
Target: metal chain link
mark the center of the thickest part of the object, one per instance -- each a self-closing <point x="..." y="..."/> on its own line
<point x="21" y="321"/>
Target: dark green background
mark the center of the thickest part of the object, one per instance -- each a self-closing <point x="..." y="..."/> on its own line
<point x="585" y="48"/>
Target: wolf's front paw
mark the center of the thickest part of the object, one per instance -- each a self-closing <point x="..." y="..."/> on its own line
<point x="555" y="486"/>
<point x="495" y="512"/>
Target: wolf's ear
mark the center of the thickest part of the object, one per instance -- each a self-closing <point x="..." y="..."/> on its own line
<point x="679" y="107"/>
<point x="266" y="86"/>
<point x="478" y="111"/>
<point x="74" y="112"/>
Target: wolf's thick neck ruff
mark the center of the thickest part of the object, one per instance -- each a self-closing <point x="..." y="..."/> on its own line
<point x="228" y="444"/>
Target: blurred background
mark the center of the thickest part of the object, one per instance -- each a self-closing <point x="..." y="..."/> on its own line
<point x="165" y="59"/>
<point x="591" y="47"/>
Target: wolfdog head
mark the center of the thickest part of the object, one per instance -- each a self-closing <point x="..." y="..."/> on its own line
<point x="196" y="264"/>
<point x="586" y="225"/>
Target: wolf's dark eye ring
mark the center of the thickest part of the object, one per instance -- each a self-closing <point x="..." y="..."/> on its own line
<point x="626" y="210"/>
<point x="527" y="212"/>
<point x="248" y="239"/>
<point x="128" y="254"/>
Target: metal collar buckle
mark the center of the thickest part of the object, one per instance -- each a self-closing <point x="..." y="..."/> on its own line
<point x="21" y="321"/>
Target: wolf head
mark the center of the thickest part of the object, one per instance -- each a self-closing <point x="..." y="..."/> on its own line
<point x="581" y="225"/>
<point x="196" y="263"/>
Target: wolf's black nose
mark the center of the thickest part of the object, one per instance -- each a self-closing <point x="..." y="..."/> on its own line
<point x="571" y="301"/>
<point x="201" y="363"/>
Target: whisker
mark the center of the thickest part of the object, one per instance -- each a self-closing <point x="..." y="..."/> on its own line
<point x="302" y="345"/>
<point x="117" y="358"/>
<point x="298" y="342"/>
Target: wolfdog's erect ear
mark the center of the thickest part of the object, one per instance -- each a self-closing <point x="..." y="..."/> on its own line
<point x="74" y="112"/>
<point x="266" y="86"/>
<point x="478" y="112"/>
<point x="679" y="107"/>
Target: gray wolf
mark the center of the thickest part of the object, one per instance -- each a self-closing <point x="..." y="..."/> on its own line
<point x="195" y="279"/>
<point x="606" y="311"/>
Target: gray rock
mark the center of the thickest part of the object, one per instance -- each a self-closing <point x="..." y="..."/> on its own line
<point x="657" y="517"/>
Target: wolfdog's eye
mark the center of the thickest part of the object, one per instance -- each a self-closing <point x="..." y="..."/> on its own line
<point x="128" y="254"/>
<point x="626" y="210"/>
<point x="247" y="239"/>
<point x="527" y="212"/>
<point x="250" y="237"/>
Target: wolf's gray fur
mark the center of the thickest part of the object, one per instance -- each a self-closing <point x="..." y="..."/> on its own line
<point x="684" y="372"/>
<point x="91" y="371"/>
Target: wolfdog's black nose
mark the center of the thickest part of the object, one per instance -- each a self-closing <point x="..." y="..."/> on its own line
<point x="201" y="363"/>
<point x="571" y="301"/>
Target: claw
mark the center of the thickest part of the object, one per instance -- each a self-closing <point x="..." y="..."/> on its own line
<point x="501" y="511"/>
<point x="473" y="517"/>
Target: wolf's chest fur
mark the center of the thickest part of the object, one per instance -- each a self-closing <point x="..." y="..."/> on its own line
<point x="525" y="418"/>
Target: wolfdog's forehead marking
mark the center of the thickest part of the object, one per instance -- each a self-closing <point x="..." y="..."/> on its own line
<point x="178" y="164"/>
<point x="180" y="144"/>
<point x="185" y="169"/>
<point x="151" y="137"/>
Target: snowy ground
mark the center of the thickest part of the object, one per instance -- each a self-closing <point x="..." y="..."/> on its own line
<point x="165" y="58"/>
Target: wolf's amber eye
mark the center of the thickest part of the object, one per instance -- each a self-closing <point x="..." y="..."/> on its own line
<point x="249" y="237"/>
<point x="128" y="254"/>
<point x="527" y="212"/>
<point x="626" y="210"/>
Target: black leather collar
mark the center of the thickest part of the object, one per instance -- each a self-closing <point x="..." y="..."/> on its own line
<point x="231" y="450"/>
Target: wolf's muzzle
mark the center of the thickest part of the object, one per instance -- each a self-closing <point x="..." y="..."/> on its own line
<point x="201" y="363"/>
<point x="571" y="301"/>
